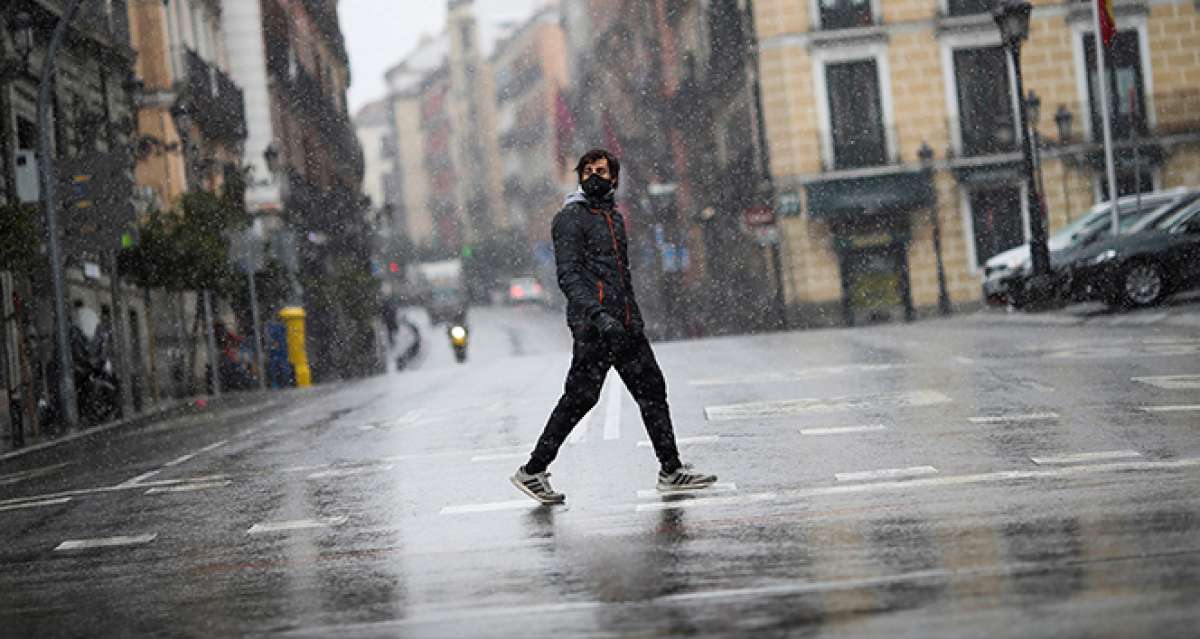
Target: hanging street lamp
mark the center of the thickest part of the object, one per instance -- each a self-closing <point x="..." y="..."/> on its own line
<point x="1012" y="18"/>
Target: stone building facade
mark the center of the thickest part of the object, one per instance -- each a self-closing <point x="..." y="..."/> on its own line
<point x="90" y="114"/>
<point x="852" y="88"/>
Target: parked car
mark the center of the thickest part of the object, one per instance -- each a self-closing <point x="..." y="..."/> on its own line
<point x="1145" y="266"/>
<point x="1006" y="274"/>
<point x="525" y="290"/>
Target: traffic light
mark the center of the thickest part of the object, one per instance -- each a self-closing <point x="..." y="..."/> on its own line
<point x="394" y="267"/>
<point x="467" y="251"/>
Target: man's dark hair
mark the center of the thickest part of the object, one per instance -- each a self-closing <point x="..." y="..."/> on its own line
<point x="614" y="165"/>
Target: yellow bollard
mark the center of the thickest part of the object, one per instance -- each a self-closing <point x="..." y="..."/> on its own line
<point x="293" y="319"/>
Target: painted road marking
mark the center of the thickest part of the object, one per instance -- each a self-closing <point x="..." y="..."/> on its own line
<point x="296" y="524"/>
<point x="1012" y="419"/>
<point x="107" y="489"/>
<point x="707" y="439"/>
<point x="1085" y="457"/>
<point x="36" y="504"/>
<point x="349" y="472"/>
<point x="719" y="487"/>
<point x="796" y="375"/>
<point x="966" y="361"/>
<point x="731" y="500"/>
<point x="1178" y="408"/>
<point x="887" y="473"/>
<point x="179" y="460"/>
<point x="187" y="488"/>
<point x="14" y="478"/>
<point x="843" y="430"/>
<point x="516" y="504"/>
<point x="139" y="479"/>
<point x="214" y="446"/>
<point x="106" y="542"/>
<point x="931" y="482"/>
<point x="612" y="412"/>
<point x="786" y="408"/>
<point x="1171" y="382"/>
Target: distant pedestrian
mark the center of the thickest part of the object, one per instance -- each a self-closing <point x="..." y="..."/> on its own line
<point x="591" y="255"/>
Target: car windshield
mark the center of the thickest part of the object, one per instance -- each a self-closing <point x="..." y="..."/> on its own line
<point x="1180" y="214"/>
<point x="1131" y="214"/>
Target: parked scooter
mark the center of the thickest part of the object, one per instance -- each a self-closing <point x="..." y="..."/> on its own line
<point x="458" y="340"/>
<point x="97" y="393"/>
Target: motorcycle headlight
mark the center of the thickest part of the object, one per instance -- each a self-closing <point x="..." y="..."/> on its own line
<point x="1105" y="256"/>
<point x="458" y="333"/>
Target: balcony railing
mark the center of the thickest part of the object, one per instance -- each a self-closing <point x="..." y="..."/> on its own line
<point x="988" y="138"/>
<point x="969" y="7"/>
<point x="216" y="102"/>
<point x="304" y="95"/>
<point x="870" y="149"/>
<point x="845" y="14"/>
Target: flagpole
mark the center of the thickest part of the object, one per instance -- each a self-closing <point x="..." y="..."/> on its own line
<point x="1105" y="117"/>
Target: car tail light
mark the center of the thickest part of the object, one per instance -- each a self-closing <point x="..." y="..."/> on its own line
<point x="517" y="292"/>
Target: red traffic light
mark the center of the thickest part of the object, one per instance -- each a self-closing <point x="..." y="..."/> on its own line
<point x="394" y="267"/>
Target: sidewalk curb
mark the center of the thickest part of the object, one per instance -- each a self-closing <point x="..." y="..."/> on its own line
<point x="1105" y="321"/>
<point x="149" y="416"/>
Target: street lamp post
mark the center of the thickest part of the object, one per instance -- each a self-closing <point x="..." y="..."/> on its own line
<point x="1012" y="17"/>
<point x="1062" y="119"/>
<point x="1033" y="105"/>
<point x="66" y="382"/>
<point x="925" y="154"/>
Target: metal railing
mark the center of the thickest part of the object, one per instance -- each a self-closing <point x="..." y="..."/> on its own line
<point x="218" y="104"/>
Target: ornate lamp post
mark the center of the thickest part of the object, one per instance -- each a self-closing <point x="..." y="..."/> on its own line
<point x="925" y="154"/>
<point x="1012" y="17"/>
<point x="1062" y="119"/>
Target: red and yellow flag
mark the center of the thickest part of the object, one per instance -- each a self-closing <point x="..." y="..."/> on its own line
<point x="1108" y="21"/>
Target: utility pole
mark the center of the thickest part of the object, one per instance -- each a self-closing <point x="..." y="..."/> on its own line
<point x="66" y="382"/>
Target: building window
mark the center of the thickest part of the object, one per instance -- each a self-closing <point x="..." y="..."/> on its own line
<point x="845" y="14"/>
<point x="969" y="7"/>
<point x="856" y="114"/>
<point x="26" y="134"/>
<point x="1126" y="88"/>
<point x="984" y="101"/>
<point x="1128" y="182"/>
<point x="996" y="220"/>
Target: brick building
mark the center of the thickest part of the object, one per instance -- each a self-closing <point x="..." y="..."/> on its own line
<point x="852" y="88"/>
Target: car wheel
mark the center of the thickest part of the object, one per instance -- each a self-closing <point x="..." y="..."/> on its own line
<point x="1143" y="284"/>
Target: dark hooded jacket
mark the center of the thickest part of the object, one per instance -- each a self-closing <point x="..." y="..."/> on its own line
<point x="592" y="256"/>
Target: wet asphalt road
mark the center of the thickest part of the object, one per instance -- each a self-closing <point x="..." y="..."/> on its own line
<point x="946" y="478"/>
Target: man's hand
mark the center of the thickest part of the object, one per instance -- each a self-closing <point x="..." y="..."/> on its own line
<point x="610" y="328"/>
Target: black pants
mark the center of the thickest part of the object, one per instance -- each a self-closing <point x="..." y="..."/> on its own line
<point x="591" y="359"/>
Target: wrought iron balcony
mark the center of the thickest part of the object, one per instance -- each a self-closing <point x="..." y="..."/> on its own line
<point x="216" y="103"/>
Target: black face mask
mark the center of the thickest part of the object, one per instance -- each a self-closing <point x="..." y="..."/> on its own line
<point x="596" y="187"/>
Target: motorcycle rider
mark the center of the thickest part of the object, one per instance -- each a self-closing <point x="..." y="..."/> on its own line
<point x="591" y="254"/>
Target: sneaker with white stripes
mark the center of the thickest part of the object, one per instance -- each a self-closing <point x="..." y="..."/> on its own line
<point x="537" y="486"/>
<point x="684" y="478"/>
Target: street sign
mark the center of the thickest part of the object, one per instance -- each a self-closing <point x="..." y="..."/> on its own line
<point x="96" y="198"/>
<point x="759" y="216"/>
<point x="246" y="251"/>
<point x="767" y="235"/>
<point x="788" y="203"/>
